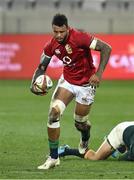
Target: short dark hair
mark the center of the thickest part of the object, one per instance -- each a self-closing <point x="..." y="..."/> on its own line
<point x="60" y="20"/>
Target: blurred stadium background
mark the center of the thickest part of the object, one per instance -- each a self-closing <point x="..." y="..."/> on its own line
<point x="25" y="26"/>
<point x="99" y="16"/>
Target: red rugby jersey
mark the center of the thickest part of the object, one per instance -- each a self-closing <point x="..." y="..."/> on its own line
<point x="76" y="56"/>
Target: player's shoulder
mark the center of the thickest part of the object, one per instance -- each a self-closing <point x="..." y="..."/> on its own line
<point x="50" y="43"/>
<point x="79" y="33"/>
<point x="75" y="31"/>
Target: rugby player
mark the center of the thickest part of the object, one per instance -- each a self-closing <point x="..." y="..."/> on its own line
<point x="120" y="139"/>
<point x="78" y="81"/>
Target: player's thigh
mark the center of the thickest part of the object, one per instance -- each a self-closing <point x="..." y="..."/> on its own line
<point x="63" y="94"/>
<point x="82" y="109"/>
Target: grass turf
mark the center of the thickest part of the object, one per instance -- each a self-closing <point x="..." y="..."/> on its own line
<point x="23" y="137"/>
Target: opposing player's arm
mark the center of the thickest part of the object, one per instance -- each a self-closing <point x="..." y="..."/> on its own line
<point x="103" y="152"/>
<point x="44" y="61"/>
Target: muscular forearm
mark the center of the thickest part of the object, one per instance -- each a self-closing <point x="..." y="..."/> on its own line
<point x="39" y="71"/>
<point x="103" y="152"/>
<point x="104" y="57"/>
<point x="91" y="155"/>
<point x="44" y="61"/>
<point x="105" y="51"/>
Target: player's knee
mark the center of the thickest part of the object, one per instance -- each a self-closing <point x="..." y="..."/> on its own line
<point x="82" y="123"/>
<point x="82" y="126"/>
<point x="53" y="119"/>
<point x="54" y="115"/>
<point x="56" y="110"/>
<point x="59" y="106"/>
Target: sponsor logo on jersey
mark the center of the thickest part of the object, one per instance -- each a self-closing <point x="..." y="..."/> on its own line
<point x="68" y="49"/>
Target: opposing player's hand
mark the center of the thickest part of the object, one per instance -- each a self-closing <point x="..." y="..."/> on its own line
<point x="94" y="80"/>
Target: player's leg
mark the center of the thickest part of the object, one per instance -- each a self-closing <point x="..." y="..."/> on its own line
<point x="103" y="152"/>
<point x="60" y="100"/>
<point x="65" y="150"/>
<point x="83" y="125"/>
<point x="84" y="100"/>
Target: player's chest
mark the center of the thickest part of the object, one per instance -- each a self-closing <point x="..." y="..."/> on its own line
<point x="68" y="49"/>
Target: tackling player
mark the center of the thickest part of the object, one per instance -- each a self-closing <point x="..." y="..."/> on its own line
<point x="121" y="139"/>
<point x="79" y="81"/>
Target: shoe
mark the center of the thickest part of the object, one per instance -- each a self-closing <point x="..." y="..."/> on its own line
<point x="83" y="147"/>
<point x="50" y="162"/>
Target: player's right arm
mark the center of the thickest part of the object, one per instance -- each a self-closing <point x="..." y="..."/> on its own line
<point x="103" y="152"/>
<point x="105" y="51"/>
<point x="44" y="61"/>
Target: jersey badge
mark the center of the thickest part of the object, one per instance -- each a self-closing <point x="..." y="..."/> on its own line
<point x="68" y="49"/>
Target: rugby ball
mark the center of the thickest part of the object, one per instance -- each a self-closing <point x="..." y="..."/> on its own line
<point x="43" y="83"/>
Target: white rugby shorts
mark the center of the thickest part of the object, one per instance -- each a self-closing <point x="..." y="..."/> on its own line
<point x="83" y="95"/>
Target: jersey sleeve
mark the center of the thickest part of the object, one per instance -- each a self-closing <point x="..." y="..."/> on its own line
<point x="84" y="39"/>
<point x="48" y="49"/>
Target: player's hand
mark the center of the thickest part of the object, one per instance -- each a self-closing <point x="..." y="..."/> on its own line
<point x="94" y="80"/>
<point x="35" y="91"/>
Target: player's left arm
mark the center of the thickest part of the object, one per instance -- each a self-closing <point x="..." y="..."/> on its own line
<point x="105" y="51"/>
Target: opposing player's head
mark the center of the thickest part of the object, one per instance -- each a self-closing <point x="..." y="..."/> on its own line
<point x="60" y="27"/>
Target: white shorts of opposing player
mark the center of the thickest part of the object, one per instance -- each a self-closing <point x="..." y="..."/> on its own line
<point x="115" y="137"/>
<point x="83" y="94"/>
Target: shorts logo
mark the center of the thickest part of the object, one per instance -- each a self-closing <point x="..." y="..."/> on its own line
<point x="85" y="99"/>
<point x="68" y="49"/>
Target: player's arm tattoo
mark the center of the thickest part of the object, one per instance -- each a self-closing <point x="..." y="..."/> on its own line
<point x="44" y="61"/>
<point x="105" y="51"/>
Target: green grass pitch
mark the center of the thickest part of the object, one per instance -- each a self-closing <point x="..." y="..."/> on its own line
<point x="23" y="137"/>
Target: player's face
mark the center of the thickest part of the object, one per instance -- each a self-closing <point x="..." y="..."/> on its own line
<point x="60" y="33"/>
